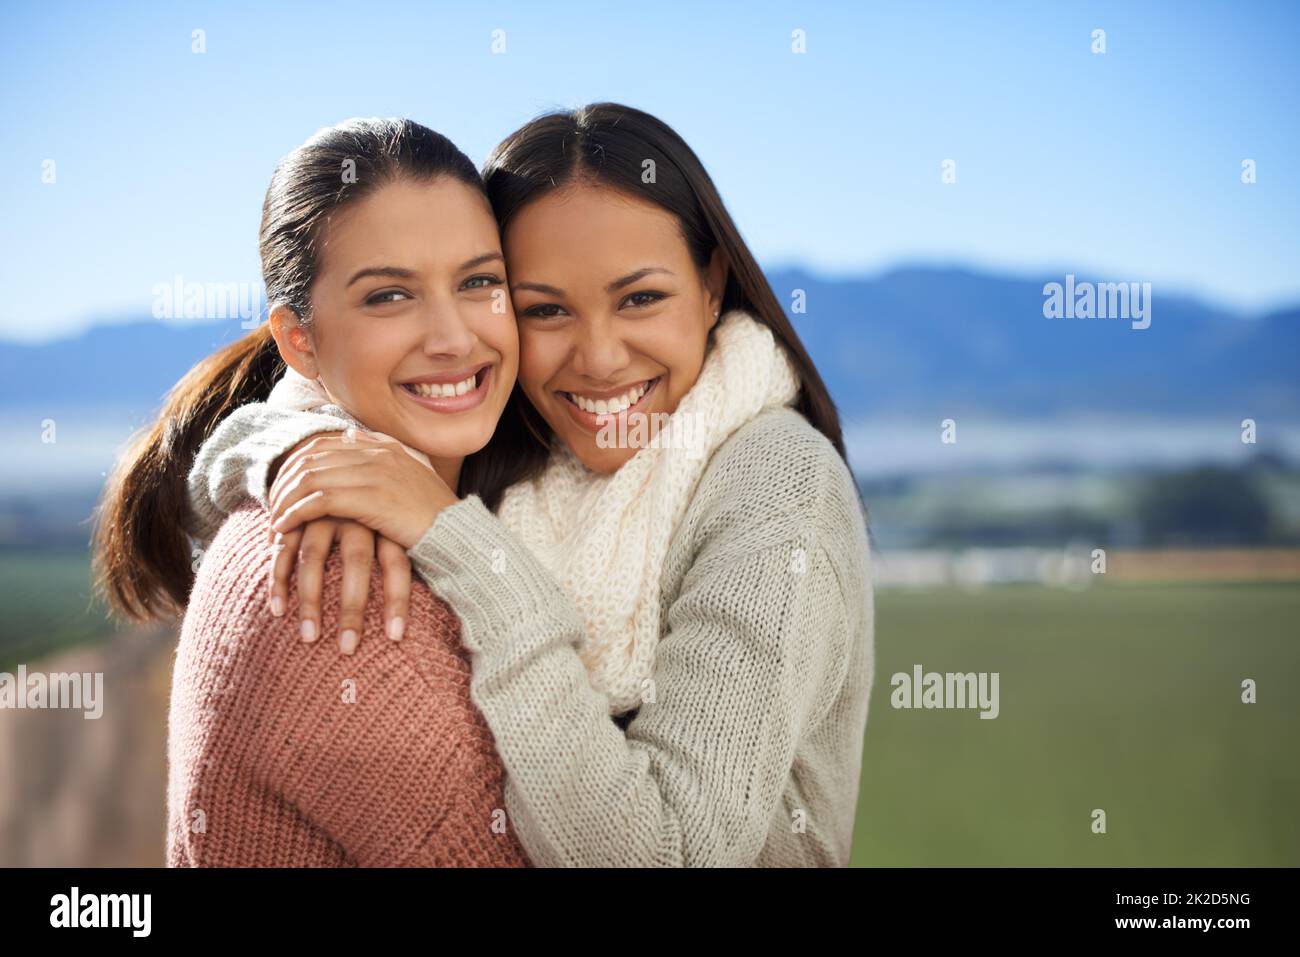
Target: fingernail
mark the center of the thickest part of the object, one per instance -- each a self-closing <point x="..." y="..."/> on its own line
<point x="395" y="629"/>
<point x="277" y="605"/>
<point x="308" y="630"/>
<point x="348" y="641"/>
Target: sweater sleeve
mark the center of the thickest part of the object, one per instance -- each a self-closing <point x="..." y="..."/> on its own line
<point x="234" y="463"/>
<point x="697" y="778"/>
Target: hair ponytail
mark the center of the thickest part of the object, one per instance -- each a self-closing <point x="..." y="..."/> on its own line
<point x="143" y="564"/>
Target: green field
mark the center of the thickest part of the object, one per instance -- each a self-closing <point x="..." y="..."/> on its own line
<point x="1124" y="699"/>
<point x="46" y="602"/>
<point x="1121" y="698"/>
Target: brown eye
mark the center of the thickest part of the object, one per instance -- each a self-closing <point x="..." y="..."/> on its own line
<point x="547" y="310"/>
<point x="644" y="298"/>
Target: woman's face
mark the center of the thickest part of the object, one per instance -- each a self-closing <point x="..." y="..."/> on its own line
<point x="413" y="331"/>
<point x="614" y="316"/>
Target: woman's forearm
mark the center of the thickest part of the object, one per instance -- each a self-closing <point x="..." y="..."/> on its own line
<point x="234" y="463"/>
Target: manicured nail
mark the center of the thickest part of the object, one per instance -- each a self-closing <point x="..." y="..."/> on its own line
<point x="395" y="629"/>
<point x="308" y="630"/>
<point x="348" y="641"/>
<point x="277" y="605"/>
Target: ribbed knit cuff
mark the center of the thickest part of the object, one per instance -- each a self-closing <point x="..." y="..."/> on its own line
<point x="491" y="581"/>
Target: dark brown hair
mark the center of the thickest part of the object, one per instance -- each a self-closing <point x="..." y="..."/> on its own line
<point x="142" y="553"/>
<point x="609" y="144"/>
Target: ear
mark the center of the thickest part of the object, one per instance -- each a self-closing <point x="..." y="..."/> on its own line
<point x="294" y="341"/>
<point x="715" y="282"/>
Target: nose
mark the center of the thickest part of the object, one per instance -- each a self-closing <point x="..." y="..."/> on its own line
<point x="446" y="333"/>
<point x="599" y="352"/>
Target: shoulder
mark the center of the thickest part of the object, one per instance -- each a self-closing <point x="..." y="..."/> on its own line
<point x="776" y="524"/>
<point x="228" y="608"/>
<point x="379" y="750"/>
<point x="779" y="470"/>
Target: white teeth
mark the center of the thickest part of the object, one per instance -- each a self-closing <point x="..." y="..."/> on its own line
<point x="438" y="390"/>
<point x="609" y="406"/>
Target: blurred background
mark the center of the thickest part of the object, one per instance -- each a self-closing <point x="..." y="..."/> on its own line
<point x="911" y="176"/>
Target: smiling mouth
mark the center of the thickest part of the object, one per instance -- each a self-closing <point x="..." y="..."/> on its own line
<point x="452" y="393"/>
<point x="446" y="390"/>
<point x="614" y="405"/>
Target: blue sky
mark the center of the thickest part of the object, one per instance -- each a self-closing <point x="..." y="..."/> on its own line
<point x="1124" y="165"/>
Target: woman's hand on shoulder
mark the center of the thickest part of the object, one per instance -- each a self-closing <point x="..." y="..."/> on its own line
<point x="307" y="548"/>
<point x="360" y="490"/>
<point x="360" y="476"/>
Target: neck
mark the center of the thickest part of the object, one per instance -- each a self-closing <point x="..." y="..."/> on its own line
<point x="448" y="470"/>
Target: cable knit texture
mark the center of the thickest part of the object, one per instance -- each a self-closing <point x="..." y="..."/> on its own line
<point x="747" y="746"/>
<point x="286" y="754"/>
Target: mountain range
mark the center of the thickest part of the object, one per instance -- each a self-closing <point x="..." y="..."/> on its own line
<point x="912" y="342"/>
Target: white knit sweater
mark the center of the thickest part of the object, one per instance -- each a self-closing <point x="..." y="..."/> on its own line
<point x="750" y="751"/>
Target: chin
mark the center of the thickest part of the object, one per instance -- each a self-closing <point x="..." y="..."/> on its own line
<point x="444" y="443"/>
<point x="602" y="461"/>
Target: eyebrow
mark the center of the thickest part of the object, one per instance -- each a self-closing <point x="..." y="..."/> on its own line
<point x="632" y="277"/>
<point x="398" y="272"/>
<point x="614" y="286"/>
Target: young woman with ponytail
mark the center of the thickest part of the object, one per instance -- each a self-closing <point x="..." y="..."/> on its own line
<point x="279" y="757"/>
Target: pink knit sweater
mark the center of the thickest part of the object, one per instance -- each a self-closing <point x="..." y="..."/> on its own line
<point x="285" y="754"/>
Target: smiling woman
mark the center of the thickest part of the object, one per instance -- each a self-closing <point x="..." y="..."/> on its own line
<point x="382" y="288"/>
